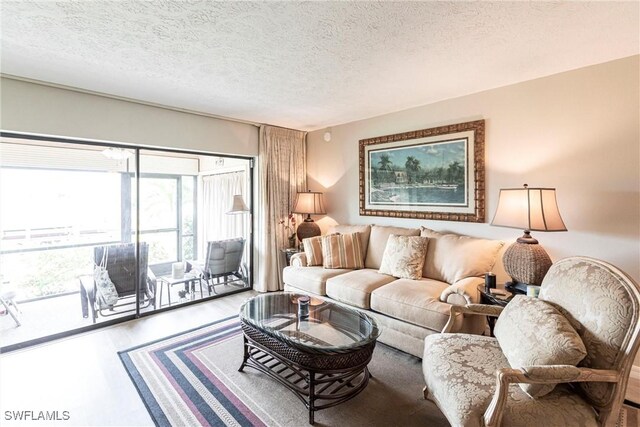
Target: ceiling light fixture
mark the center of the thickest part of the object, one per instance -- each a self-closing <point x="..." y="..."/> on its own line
<point x="114" y="153"/>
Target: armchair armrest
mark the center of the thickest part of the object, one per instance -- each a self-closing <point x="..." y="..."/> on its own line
<point x="462" y="292"/>
<point x="539" y="374"/>
<point x="298" y="260"/>
<point x="471" y="309"/>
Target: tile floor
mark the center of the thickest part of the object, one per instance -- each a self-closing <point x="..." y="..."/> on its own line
<point x="83" y="374"/>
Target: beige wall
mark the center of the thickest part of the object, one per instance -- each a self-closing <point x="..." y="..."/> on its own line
<point x="34" y="108"/>
<point x="577" y="131"/>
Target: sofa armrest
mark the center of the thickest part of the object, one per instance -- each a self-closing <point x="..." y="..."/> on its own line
<point x="549" y="374"/>
<point x="457" y="311"/>
<point x="462" y="292"/>
<point x="298" y="260"/>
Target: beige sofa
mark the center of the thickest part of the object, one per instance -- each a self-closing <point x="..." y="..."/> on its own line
<point x="406" y="310"/>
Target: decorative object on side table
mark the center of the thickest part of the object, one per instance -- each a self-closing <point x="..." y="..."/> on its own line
<point x="494" y="296"/>
<point x="531" y="209"/>
<point x="309" y="203"/>
<point x="489" y="281"/>
<point x="288" y="253"/>
<point x="290" y="227"/>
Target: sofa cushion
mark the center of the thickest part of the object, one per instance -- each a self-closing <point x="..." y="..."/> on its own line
<point x="342" y="251"/>
<point x="313" y="250"/>
<point x="460" y="373"/>
<point x="354" y="288"/>
<point x="404" y="256"/>
<point x="414" y="301"/>
<point x="451" y="257"/>
<point x="310" y="279"/>
<point x="364" y="230"/>
<point x="378" y="242"/>
<point x="533" y="332"/>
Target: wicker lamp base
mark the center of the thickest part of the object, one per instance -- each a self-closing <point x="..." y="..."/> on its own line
<point x="526" y="263"/>
<point x="307" y="229"/>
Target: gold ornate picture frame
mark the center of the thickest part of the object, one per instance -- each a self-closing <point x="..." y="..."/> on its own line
<point x="435" y="173"/>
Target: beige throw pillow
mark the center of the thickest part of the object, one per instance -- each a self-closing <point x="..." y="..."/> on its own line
<point x="531" y="331"/>
<point x="404" y="256"/>
<point x="452" y="257"/>
<point x="363" y="230"/>
<point x="313" y="250"/>
<point x="378" y="241"/>
<point x="342" y="251"/>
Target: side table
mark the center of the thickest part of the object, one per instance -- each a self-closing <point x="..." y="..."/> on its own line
<point x="189" y="281"/>
<point x="501" y="298"/>
<point x="288" y="253"/>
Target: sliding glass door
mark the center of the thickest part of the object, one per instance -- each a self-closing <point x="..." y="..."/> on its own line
<point x="197" y="248"/>
<point x="59" y="203"/>
<point x="91" y="234"/>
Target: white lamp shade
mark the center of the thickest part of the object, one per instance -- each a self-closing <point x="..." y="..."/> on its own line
<point x="533" y="209"/>
<point x="309" y="203"/>
<point x="239" y="206"/>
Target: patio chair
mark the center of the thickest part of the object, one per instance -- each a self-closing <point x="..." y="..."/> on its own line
<point x="121" y="266"/>
<point x="223" y="264"/>
<point x="7" y="300"/>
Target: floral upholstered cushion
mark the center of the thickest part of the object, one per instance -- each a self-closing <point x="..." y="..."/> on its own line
<point x="313" y="250"/>
<point x="342" y="251"/>
<point x="404" y="256"/>
<point x="460" y="374"/>
<point x="533" y="332"/>
<point x="599" y="298"/>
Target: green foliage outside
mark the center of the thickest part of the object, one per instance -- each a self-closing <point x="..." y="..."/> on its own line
<point x="51" y="272"/>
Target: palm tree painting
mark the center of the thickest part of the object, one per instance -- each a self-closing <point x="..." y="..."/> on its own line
<point x="429" y="174"/>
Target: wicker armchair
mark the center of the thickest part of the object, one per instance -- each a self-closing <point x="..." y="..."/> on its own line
<point x="473" y="384"/>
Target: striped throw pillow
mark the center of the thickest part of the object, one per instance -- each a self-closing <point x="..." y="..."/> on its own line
<point x="313" y="250"/>
<point x="342" y="251"/>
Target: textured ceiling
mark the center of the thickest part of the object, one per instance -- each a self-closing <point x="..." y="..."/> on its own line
<point x="307" y="65"/>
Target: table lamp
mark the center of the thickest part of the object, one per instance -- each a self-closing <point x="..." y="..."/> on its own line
<point x="531" y="209"/>
<point x="309" y="203"/>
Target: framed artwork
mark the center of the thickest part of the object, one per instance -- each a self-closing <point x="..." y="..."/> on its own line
<point x="435" y="173"/>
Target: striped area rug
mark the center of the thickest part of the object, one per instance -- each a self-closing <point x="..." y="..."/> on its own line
<point x="176" y="387"/>
<point x="192" y="379"/>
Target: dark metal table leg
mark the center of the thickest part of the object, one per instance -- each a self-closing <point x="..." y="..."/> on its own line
<point x="246" y="354"/>
<point x="312" y="391"/>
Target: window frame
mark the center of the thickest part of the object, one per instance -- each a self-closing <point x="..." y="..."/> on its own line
<point x="135" y="218"/>
<point x="179" y="230"/>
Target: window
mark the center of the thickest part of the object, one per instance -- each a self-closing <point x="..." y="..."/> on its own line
<point x="63" y="202"/>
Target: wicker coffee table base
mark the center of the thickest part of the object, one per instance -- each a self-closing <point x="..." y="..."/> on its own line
<point x="320" y="379"/>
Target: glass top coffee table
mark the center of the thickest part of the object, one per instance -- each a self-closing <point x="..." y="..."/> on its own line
<point x="322" y="357"/>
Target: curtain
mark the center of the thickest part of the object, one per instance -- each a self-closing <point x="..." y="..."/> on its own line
<point x="283" y="173"/>
<point x="217" y="197"/>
